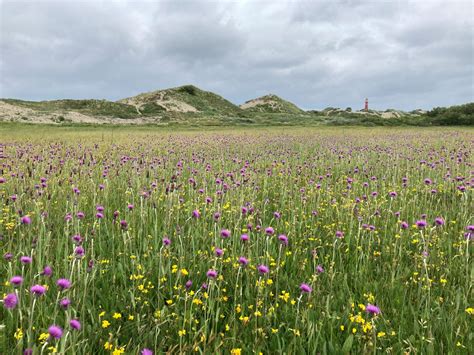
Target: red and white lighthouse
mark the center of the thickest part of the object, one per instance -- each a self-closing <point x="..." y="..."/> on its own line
<point x="366" y="107"/>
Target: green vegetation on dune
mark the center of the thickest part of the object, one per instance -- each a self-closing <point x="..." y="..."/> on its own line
<point x="454" y="115"/>
<point x="190" y="106"/>
<point x="87" y="107"/>
<point x="187" y="98"/>
<point x="271" y="104"/>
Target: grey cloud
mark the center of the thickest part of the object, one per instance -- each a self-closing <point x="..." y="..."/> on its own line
<point x="403" y="54"/>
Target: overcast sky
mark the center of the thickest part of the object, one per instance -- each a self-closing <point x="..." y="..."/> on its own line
<point x="399" y="54"/>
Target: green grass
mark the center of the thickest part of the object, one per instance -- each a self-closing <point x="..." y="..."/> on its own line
<point x="301" y="173"/>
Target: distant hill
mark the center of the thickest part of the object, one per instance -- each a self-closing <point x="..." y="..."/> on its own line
<point x="191" y="106"/>
<point x="184" y="99"/>
<point x="271" y="104"/>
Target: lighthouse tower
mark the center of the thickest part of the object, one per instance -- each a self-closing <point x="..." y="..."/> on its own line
<point x="366" y="107"/>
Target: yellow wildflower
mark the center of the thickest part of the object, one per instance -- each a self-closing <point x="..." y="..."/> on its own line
<point x="18" y="334"/>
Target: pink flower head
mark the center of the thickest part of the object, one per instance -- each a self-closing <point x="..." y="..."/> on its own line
<point x="243" y="261"/>
<point x="79" y="252"/>
<point x="55" y="332"/>
<point x="439" y="221"/>
<point x="372" y="309"/>
<point x="75" y="324"/>
<point x="196" y="214"/>
<point x="65" y="302"/>
<point x="212" y="274"/>
<point x="63" y="284"/>
<point x="25" y="220"/>
<point x="10" y="301"/>
<point x="225" y="233"/>
<point x="16" y="280"/>
<point x="421" y="224"/>
<point x="263" y="269"/>
<point x="269" y="231"/>
<point x="305" y="288"/>
<point x="244" y="237"/>
<point x="26" y="260"/>
<point x="283" y="239"/>
<point x="38" y="290"/>
<point x="47" y="271"/>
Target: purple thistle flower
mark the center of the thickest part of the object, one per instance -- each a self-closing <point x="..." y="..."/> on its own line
<point x="75" y="324"/>
<point x="25" y="220"/>
<point x="28" y="351"/>
<point x="212" y="274"/>
<point x="421" y="224"/>
<point x="439" y="221"/>
<point x="166" y="241"/>
<point x="263" y="269"/>
<point x="188" y="284"/>
<point x="225" y="233"/>
<point x="16" y="280"/>
<point x="196" y="214"/>
<point x="218" y="252"/>
<point x="26" y="260"/>
<point x="47" y="271"/>
<point x="130" y="206"/>
<point x="55" y="332"/>
<point x="305" y="288"/>
<point x="277" y="215"/>
<point x="99" y="208"/>
<point x="124" y="224"/>
<point x="8" y="256"/>
<point x="339" y="234"/>
<point x="10" y="301"/>
<point x="283" y="239"/>
<point x="372" y="309"/>
<point x="76" y="238"/>
<point x="404" y="225"/>
<point x="269" y="231"/>
<point x="243" y="261"/>
<point x="319" y="269"/>
<point x="99" y="215"/>
<point x="79" y="252"/>
<point x="38" y="290"/>
<point x="80" y="215"/>
<point x="63" y="284"/>
<point x="146" y="352"/>
<point x="64" y="303"/>
<point x="244" y="237"/>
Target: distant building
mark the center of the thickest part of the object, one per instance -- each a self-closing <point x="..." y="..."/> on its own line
<point x="366" y="107"/>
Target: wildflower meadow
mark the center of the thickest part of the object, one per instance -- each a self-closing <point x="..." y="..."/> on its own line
<point x="236" y="241"/>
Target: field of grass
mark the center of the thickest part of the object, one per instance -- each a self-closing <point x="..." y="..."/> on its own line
<point x="236" y="241"/>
